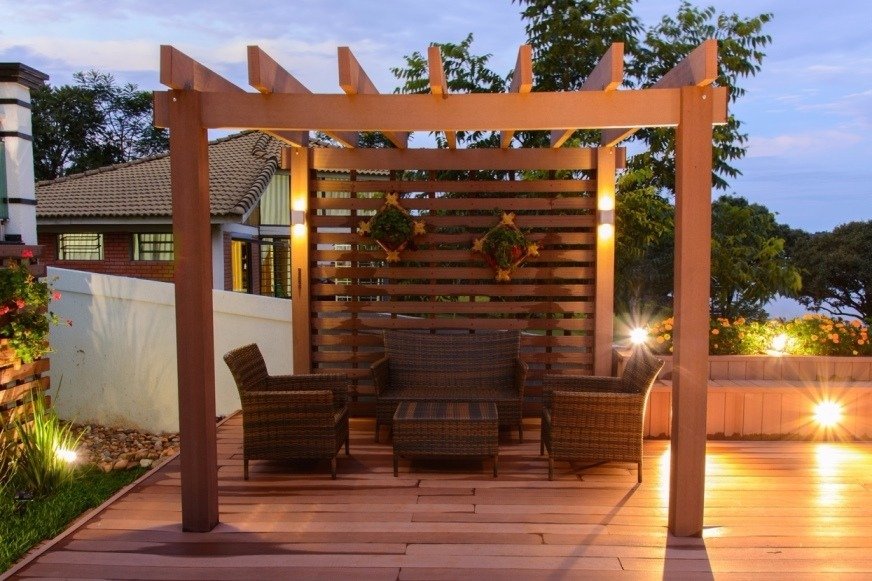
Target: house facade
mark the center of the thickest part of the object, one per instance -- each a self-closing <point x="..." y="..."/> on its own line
<point x="118" y="219"/>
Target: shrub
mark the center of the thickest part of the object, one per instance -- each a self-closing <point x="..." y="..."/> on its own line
<point x="24" y="314"/>
<point x="807" y="335"/>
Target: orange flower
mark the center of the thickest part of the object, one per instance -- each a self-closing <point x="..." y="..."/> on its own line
<point x="834" y="338"/>
<point x="855" y="323"/>
<point x="715" y="332"/>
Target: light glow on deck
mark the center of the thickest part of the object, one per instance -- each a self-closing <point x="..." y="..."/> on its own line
<point x="638" y="336"/>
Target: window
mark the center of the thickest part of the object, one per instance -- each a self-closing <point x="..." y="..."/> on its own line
<point x="240" y="265"/>
<point x="153" y="246"/>
<point x="80" y="246"/>
<point x="275" y="267"/>
<point x="275" y="208"/>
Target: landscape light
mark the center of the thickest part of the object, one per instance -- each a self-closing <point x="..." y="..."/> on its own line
<point x="779" y="343"/>
<point x="67" y="455"/>
<point x="828" y="413"/>
<point x="638" y="336"/>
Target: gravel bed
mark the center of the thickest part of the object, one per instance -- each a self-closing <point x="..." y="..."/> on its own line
<point x="122" y="448"/>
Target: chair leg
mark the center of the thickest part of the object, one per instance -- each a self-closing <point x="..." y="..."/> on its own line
<point x="496" y="463"/>
<point x="396" y="465"/>
<point x="245" y="468"/>
<point x="550" y="468"/>
<point x="347" y="444"/>
<point x="639" y="468"/>
<point x="333" y="467"/>
<point x="521" y="431"/>
<point x="376" y="431"/>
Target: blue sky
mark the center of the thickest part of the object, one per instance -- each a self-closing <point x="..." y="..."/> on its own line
<point x="808" y="113"/>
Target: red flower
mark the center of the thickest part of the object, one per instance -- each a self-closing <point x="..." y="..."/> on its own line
<point x="19" y="303"/>
<point x="27" y="253"/>
<point x="4" y="309"/>
<point x="56" y="295"/>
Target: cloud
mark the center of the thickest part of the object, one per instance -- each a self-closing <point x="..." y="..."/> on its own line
<point x="792" y="144"/>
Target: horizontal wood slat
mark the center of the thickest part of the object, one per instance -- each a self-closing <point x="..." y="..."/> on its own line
<point x="485" y="204"/>
<point x="468" y="186"/>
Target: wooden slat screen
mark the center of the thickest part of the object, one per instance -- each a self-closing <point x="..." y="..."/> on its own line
<point x="441" y="283"/>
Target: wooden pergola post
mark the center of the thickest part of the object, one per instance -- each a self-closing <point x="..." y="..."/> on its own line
<point x="604" y="304"/>
<point x="298" y="163"/>
<point x="693" y="212"/>
<point x="189" y="171"/>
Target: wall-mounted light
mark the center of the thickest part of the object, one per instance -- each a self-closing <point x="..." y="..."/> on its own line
<point x="605" y="231"/>
<point x="298" y="222"/>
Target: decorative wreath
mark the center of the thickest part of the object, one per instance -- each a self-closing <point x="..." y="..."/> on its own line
<point x="505" y="247"/>
<point x="392" y="228"/>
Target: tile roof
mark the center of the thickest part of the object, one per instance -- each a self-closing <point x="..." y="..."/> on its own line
<point x="240" y="167"/>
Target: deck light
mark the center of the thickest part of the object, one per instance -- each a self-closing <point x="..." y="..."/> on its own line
<point x="638" y="336"/>
<point x="298" y="222"/>
<point x="605" y="231"/>
<point x="828" y="413"/>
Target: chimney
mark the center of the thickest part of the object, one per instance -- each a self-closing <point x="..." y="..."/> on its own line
<point x="17" y="188"/>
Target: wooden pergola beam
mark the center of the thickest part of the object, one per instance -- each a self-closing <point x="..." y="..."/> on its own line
<point x="354" y="81"/>
<point x="607" y="75"/>
<point x="181" y="72"/>
<point x="522" y="82"/>
<point x="467" y="112"/>
<point x="698" y="69"/>
<point x="268" y="77"/>
<point x="439" y="86"/>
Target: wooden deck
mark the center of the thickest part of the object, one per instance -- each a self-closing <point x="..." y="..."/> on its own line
<point x="787" y="510"/>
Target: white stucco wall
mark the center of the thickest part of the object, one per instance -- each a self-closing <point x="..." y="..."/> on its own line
<point x="116" y="364"/>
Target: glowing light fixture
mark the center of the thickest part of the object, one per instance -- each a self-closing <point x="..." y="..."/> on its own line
<point x="779" y="343"/>
<point x="828" y="413"/>
<point x="638" y="336"/>
<point x="605" y="231"/>
<point x="606" y="203"/>
<point x="68" y="456"/>
<point x="298" y="222"/>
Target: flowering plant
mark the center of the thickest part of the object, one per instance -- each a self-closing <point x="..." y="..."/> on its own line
<point x="24" y="314"/>
<point x="810" y="334"/>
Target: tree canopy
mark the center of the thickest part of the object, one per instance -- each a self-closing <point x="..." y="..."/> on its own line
<point x="93" y="123"/>
<point x="836" y="270"/>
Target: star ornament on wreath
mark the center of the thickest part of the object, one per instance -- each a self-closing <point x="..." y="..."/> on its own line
<point x="505" y="247"/>
<point x="392" y="228"/>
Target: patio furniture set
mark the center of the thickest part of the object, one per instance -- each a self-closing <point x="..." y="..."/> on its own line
<point x="444" y="394"/>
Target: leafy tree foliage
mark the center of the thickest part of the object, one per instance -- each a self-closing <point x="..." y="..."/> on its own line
<point x="93" y="123"/>
<point x="749" y="264"/>
<point x="836" y="270"/>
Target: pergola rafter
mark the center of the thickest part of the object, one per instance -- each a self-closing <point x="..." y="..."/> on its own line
<point x="607" y="75"/>
<point x="439" y="86"/>
<point x="684" y="99"/>
<point x="354" y="81"/>
<point x="522" y="82"/>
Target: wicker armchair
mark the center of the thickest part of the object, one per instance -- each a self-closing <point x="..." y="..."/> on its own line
<point x="598" y="418"/>
<point x="288" y="417"/>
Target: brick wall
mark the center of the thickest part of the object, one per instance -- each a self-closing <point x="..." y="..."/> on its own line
<point x="117" y="258"/>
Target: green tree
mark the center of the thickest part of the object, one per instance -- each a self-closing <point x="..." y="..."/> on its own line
<point x="93" y="123"/>
<point x="836" y="270"/>
<point x="64" y="120"/>
<point x="749" y="264"/>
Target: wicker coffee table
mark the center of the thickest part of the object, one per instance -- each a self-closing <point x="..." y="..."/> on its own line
<point x="442" y="428"/>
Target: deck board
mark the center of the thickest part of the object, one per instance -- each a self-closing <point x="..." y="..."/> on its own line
<point x="786" y="510"/>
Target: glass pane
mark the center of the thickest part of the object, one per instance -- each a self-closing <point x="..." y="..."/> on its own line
<point x="80" y="246"/>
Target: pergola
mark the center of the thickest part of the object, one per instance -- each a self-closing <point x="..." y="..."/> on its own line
<point x="684" y="98"/>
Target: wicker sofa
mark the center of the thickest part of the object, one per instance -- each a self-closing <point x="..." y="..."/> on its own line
<point x="450" y="366"/>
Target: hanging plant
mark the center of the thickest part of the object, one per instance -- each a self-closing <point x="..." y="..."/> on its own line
<point x="505" y="247"/>
<point x="392" y="228"/>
